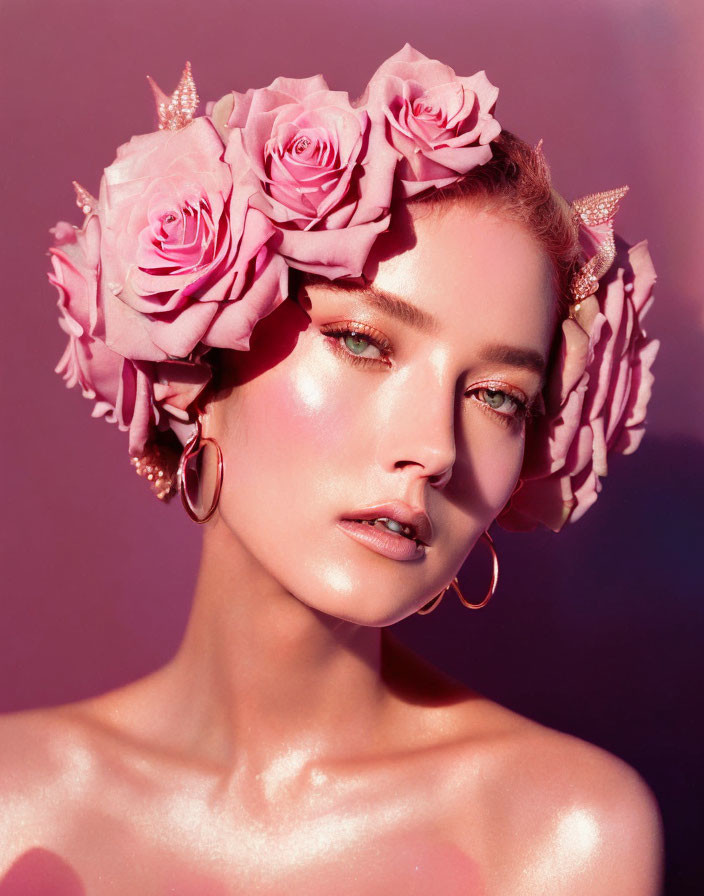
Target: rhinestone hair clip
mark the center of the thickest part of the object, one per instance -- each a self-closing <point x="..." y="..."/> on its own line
<point x="595" y="213"/>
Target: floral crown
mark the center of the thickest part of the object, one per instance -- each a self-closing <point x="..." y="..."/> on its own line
<point x="196" y="225"/>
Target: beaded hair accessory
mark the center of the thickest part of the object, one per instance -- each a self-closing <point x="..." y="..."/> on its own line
<point x="197" y="224"/>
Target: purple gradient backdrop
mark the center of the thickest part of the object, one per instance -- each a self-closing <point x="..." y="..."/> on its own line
<point x="97" y="576"/>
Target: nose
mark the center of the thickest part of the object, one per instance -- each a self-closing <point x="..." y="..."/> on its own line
<point x="419" y="435"/>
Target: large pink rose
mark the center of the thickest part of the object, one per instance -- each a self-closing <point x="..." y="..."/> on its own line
<point x="440" y="124"/>
<point x="326" y="179"/>
<point x="596" y="399"/>
<point x="185" y="258"/>
<point x="137" y="396"/>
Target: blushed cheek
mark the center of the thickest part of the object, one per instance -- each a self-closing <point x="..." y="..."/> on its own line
<point x="307" y="411"/>
<point x="315" y="405"/>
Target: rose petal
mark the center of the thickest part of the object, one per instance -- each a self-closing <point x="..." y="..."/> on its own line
<point x="598" y="412"/>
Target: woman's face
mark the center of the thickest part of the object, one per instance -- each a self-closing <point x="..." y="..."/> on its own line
<point x="412" y="391"/>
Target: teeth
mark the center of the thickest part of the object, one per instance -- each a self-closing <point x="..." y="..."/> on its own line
<point x="392" y="526"/>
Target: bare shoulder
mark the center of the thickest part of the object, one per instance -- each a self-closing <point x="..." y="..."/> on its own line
<point x="39" y="755"/>
<point x="33" y="743"/>
<point x="574" y="812"/>
<point x="544" y="812"/>
<point x="55" y="740"/>
<point x="50" y="760"/>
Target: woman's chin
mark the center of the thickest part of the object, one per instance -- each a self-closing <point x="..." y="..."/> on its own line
<point x="370" y="609"/>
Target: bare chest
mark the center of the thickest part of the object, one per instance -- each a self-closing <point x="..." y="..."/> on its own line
<point x="347" y="840"/>
<point x="311" y="863"/>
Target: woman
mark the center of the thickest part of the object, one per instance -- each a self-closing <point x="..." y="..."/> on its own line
<point x="375" y="330"/>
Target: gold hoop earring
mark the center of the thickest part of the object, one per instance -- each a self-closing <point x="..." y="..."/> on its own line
<point x="191" y="449"/>
<point x="494" y="577"/>
<point x="435" y="602"/>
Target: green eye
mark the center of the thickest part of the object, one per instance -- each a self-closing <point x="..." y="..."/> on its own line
<point x="356" y="343"/>
<point x="504" y="404"/>
<point x="495" y="398"/>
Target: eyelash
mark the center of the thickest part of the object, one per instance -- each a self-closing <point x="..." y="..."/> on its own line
<point x="522" y="408"/>
<point x="335" y="333"/>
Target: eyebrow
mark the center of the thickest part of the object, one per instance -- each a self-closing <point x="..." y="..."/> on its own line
<point x="392" y="305"/>
<point x="526" y="358"/>
<point x="396" y="307"/>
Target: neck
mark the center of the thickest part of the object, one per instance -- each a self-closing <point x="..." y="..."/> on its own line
<point x="261" y="676"/>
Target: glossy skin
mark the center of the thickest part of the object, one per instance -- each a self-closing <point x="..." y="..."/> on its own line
<point x="291" y="746"/>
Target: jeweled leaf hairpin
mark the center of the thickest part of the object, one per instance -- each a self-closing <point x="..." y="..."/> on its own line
<point x="595" y="212"/>
<point x="177" y="110"/>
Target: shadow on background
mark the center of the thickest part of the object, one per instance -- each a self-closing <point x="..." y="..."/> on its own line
<point x="598" y="632"/>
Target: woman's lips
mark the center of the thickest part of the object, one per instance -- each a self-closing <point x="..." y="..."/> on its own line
<point x="388" y="544"/>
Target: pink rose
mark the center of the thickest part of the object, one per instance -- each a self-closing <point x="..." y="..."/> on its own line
<point x="326" y="180"/>
<point x="185" y="258"/>
<point x="120" y="391"/>
<point x="596" y="398"/>
<point x="439" y="123"/>
<point x="135" y="395"/>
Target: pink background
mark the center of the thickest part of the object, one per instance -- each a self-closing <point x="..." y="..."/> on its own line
<point x="605" y="639"/>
